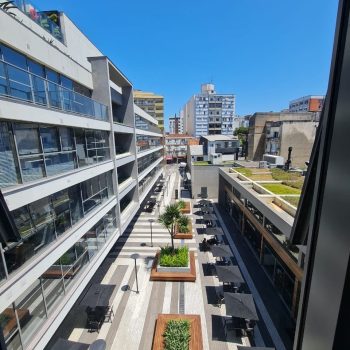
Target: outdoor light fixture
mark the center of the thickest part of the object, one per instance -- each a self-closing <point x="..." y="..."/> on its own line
<point x="136" y="256"/>
<point x="151" y="221"/>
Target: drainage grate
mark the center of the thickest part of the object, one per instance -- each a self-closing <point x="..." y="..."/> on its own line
<point x="182" y="298"/>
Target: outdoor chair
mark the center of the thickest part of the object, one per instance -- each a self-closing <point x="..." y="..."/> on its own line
<point x="95" y="318"/>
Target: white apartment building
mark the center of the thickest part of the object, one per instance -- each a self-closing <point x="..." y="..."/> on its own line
<point x="176" y="125"/>
<point x="77" y="158"/>
<point x="209" y="113"/>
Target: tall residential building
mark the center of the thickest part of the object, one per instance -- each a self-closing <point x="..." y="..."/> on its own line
<point x="176" y="125"/>
<point x="307" y="104"/>
<point x="151" y="103"/>
<point x="77" y="158"/>
<point x="209" y="113"/>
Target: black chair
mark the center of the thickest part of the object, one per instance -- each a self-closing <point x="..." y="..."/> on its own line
<point x="95" y="318"/>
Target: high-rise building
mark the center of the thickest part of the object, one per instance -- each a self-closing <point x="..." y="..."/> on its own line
<point x="209" y="113"/>
<point x="307" y="104"/>
<point x="77" y="158"/>
<point x="151" y="103"/>
<point x="176" y="125"/>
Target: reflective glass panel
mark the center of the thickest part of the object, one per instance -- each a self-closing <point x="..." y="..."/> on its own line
<point x="27" y="138"/>
<point x="50" y="140"/>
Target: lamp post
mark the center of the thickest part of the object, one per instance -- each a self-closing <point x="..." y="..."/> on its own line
<point x="135" y="256"/>
<point x="151" y="221"/>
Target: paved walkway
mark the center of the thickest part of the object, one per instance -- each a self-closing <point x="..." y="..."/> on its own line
<point x="135" y="314"/>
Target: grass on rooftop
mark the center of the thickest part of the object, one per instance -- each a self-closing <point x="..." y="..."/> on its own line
<point x="201" y="162"/>
<point x="292" y="200"/>
<point x="281" y="189"/>
<point x="244" y="171"/>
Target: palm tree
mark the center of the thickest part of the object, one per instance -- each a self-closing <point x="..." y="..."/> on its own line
<point x="171" y="217"/>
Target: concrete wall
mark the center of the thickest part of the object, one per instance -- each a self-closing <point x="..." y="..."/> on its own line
<point x="257" y="130"/>
<point x="301" y="137"/>
<point x="205" y="176"/>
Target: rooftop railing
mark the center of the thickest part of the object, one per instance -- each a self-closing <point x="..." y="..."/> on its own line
<point x="40" y="18"/>
<point x="19" y="84"/>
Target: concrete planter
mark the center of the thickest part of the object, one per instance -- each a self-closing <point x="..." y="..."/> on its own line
<point x="173" y="269"/>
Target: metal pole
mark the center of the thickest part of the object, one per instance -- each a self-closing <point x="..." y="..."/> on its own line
<point x="151" y="222"/>
<point x="137" y="283"/>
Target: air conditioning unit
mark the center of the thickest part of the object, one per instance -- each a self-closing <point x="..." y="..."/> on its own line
<point x="273" y="160"/>
<point x="263" y="164"/>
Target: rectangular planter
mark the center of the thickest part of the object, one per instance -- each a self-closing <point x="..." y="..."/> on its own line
<point x="174" y="276"/>
<point x="196" y="340"/>
<point x="187" y="209"/>
<point x="184" y="235"/>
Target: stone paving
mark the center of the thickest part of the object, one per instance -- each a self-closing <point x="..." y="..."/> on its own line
<point x="135" y="314"/>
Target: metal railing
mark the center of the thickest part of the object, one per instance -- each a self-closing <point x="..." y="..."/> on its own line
<point x="22" y="85"/>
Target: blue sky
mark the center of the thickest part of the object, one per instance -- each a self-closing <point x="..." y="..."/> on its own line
<point x="267" y="52"/>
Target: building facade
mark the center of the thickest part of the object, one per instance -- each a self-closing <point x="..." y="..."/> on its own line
<point x="252" y="207"/>
<point x="176" y="125"/>
<point x="224" y="145"/>
<point x="311" y="103"/>
<point x="77" y="158"/>
<point x="151" y="103"/>
<point x="176" y="147"/>
<point x="276" y="132"/>
<point x="209" y="113"/>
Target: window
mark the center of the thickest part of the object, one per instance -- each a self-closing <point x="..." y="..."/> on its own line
<point x="14" y="57"/>
<point x="27" y="138"/>
<point x="50" y="139"/>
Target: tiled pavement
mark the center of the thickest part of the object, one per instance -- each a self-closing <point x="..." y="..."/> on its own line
<point x="135" y="314"/>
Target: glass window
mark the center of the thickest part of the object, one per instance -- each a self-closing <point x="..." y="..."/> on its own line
<point x="60" y="202"/>
<point x="75" y="203"/>
<point x="81" y="147"/>
<point x="27" y="138"/>
<point x="39" y="90"/>
<point x="52" y="76"/>
<point x="36" y="68"/>
<point x="32" y="168"/>
<point x="31" y="311"/>
<point x="3" y="80"/>
<point x="52" y="283"/>
<point x="19" y="83"/>
<point x="67" y="138"/>
<point x="23" y="221"/>
<point x="50" y="139"/>
<point x="59" y="163"/>
<point x="7" y="158"/>
<point x="66" y="82"/>
<point x="54" y="94"/>
<point x="14" y="57"/>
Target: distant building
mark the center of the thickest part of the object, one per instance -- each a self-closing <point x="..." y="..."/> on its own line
<point x="176" y="125"/>
<point x="274" y="133"/>
<point x="209" y="113"/>
<point x="151" y="103"/>
<point x="224" y="145"/>
<point x="176" y="147"/>
<point x="307" y="104"/>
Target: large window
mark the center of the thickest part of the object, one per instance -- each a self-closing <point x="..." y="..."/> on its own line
<point x="148" y="160"/>
<point x="144" y="142"/>
<point x="32" y="151"/>
<point x="22" y="78"/>
<point x="26" y="315"/>
<point x="42" y="221"/>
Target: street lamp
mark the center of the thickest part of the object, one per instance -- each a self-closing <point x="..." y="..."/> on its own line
<point x="151" y="221"/>
<point x="135" y="256"/>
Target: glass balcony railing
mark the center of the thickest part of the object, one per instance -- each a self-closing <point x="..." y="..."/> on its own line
<point x="42" y="18"/>
<point x="22" y="85"/>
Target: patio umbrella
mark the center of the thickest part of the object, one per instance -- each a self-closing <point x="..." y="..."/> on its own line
<point x="204" y="202"/>
<point x="98" y="295"/>
<point x="221" y="251"/>
<point x="209" y="217"/>
<point x="217" y="231"/>
<point x="240" y="305"/>
<point x="230" y="274"/>
<point x="207" y="209"/>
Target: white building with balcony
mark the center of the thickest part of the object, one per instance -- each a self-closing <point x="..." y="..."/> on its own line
<point x="77" y="158"/>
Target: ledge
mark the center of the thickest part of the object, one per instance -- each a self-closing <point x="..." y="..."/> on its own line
<point x="196" y="341"/>
<point x="174" y="276"/>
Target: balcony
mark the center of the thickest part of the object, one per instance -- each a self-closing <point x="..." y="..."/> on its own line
<point x="43" y="19"/>
<point x="21" y="85"/>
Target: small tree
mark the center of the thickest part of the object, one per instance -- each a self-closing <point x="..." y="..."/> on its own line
<point x="171" y="217"/>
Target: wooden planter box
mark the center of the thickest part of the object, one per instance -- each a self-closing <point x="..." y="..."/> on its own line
<point x="11" y="324"/>
<point x="186" y="235"/>
<point x="196" y="341"/>
<point x="187" y="209"/>
<point x="174" y="276"/>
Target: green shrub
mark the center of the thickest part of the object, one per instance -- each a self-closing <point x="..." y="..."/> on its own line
<point x="177" y="335"/>
<point x="174" y="257"/>
<point x="296" y="184"/>
<point x="292" y="200"/>
<point x="183" y="224"/>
